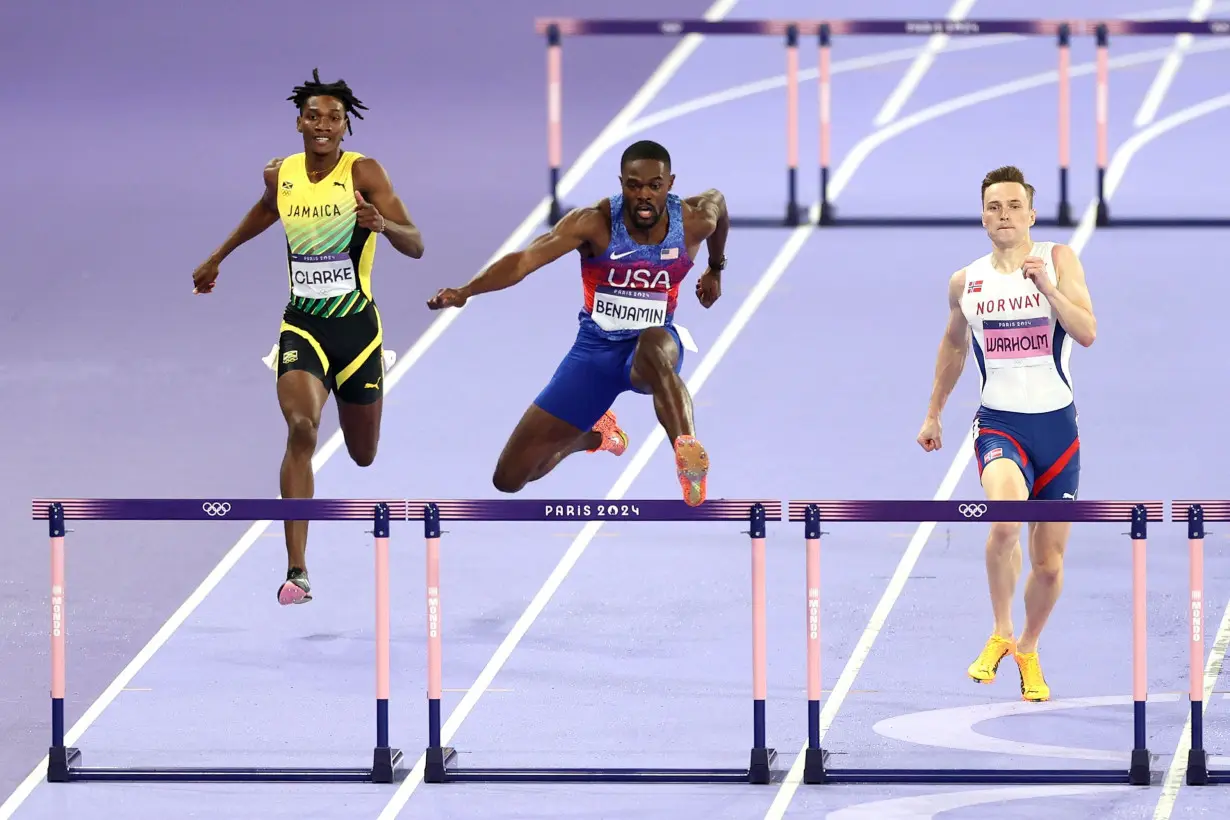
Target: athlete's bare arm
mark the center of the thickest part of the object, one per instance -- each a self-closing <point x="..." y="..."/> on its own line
<point x="949" y="363"/>
<point x="1071" y="298"/>
<point x="256" y="221"/>
<point x="379" y="206"/>
<point x="708" y="220"/>
<point x="580" y="226"/>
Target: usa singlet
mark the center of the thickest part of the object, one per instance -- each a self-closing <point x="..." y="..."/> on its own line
<point x="1021" y="348"/>
<point x="631" y="286"/>
<point x="329" y="258"/>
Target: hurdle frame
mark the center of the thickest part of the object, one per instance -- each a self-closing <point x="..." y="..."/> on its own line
<point x="813" y="514"/>
<point x="440" y="761"/>
<point x="556" y="28"/>
<point x="1195" y="513"/>
<point x="64" y="762"/>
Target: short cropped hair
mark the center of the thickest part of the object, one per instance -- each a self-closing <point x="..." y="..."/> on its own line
<point x="645" y="149"/>
<point x="1007" y="173"/>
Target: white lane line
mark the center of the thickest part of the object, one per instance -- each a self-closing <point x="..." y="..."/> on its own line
<point x="1080" y="238"/>
<point x="918" y="69"/>
<point x="585" y="163"/>
<point x="1170" y="67"/>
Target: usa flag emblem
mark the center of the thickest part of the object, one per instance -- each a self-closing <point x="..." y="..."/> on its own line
<point x="670" y="253"/>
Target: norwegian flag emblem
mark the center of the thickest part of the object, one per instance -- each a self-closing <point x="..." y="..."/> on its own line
<point x="974" y="287"/>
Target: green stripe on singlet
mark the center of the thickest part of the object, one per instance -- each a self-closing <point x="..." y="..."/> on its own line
<point x="328" y="238"/>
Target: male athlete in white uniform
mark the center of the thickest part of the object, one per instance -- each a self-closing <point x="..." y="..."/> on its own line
<point x="1022" y="304"/>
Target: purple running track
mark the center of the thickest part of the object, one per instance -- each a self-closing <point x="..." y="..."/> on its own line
<point x="640" y="656"/>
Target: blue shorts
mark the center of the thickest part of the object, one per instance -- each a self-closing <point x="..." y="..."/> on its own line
<point x="592" y="375"/>
<point x="1046" y="446"/>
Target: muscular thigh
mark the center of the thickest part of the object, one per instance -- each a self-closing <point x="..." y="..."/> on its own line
<point x="585" y="383"/>
<point x="656" y="347"/>
<point x="538" y="436"/>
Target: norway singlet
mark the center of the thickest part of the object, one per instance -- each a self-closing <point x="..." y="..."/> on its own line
<point x="1021" y="348"/>
<point x="329" y="258"/>
<point x="631" y="287"/>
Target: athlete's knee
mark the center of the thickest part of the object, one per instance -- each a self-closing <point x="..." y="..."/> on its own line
<point x="302" y="430"/>
<point x="363" y="455"/>
<point x="1004" y="535"/>
<point x="509" y="478"/>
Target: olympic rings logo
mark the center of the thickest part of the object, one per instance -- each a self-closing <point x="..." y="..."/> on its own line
<point x="972" y="510"/>
<point x="216" y="508"/>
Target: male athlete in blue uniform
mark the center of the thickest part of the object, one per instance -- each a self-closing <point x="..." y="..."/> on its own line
<point x="636" y="249"/>
<point x="1020" y="307"/>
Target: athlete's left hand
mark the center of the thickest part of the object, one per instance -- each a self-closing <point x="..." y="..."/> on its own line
<point x="366" y="214"/>
<point x="709" y="288"/>
<point x="1034" y="269"/>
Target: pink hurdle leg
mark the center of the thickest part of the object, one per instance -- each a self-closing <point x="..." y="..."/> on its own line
<point x="382" y="638"/>
<point x="1197" y="758"/>
<point x="760" y="766"/>
<point x="792" y="125"/>
<point x="437" y="758"/>
<point x="826" y="96"/>
<point x="58" y="625"/>
<point x="555" y="117"/>
<point x="816" y="758"/>
<point x="1138" y="773"/>
<point x="386" y="761"/>
<point x="1101" y="107"/>
<point x="1065" y="121"/>
<point x="60" y="759"/>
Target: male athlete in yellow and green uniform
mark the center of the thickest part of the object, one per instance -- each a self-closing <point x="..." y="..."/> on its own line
<point x="332" y="204"/>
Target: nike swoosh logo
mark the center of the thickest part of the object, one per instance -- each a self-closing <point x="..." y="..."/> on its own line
<point x="622" y="255"/>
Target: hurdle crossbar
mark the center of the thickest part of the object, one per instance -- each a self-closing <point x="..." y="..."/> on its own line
<point x="1195" y="513"/>
<point x="556" y="28"/>
<point x="64" y="762"/>
<point x="814" y="514"/>
<point x="440" y="761"/>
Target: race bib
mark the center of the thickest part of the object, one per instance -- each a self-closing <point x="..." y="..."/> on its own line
<point x="1017" y="342"/>
<point x="321" y="277"/>
<point x="628" y="308"/>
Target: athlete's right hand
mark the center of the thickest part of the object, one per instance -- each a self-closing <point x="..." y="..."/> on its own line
<point x="930" y="436"/>
<point x="448" y="297"/>
<point x="204" y="277"/>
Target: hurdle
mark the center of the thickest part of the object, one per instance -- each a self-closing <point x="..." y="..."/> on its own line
<point x="1195" y="513"/>
<point x="815" y="513"/>
<point x="440" y="761"/>
<point x="64" y="762"/>
<point x="556" y="28"/>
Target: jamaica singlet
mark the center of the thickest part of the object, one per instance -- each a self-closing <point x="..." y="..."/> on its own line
<point x="630" y="287"/>
<point x="329" y="258"/>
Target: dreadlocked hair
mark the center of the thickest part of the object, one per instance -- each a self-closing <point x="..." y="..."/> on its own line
<point x="315" y="88"/>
